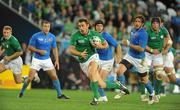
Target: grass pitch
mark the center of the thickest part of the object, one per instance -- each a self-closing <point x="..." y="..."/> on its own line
<point x="45" y="99"/>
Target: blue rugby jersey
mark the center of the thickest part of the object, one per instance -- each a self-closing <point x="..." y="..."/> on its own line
<point x="138" y="37"/>
<point x="43" y="42"/>
<point x="107" y="54"/>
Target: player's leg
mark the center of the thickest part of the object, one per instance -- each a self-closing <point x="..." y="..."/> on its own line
<point x="94" y="77"/>
<point x="142" y="70"/>
<point x="56" y="83"/>
<point x="123" y="66"/>
<point x="159" y="77"/>
<point x="147" y="63"/>
<point x="2" y="67"/>
<point x="17" y="78"/>
<point x="36" y="78"/>
<point x="169" y="68"/>
<point x="105" y="68"/>
<point x="16" y="66"/>
<point x="35" y="66"/>
<point x="27" y="81"/>
<point x="172" y="76"/>
<point x="48" y="66"/>
<point x="103" y="75"/>
<point x="148" y="86"/>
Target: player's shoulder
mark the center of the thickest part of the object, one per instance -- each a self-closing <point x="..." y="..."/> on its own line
<point x="13" y="38"/>
<point x="106" y="34"/>
<point x="76" y="33"/>
<point x="93" y="32"/>
<point x="2" y="38"/>
<point x="142" y="30"/>
<point x="51" y="34"/>
<point x="163" y="29"/>
<point x="37" y="34"/>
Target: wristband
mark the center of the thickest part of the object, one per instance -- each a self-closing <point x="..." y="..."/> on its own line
<point x="151" y="50"/>
<point x="128" y="43"/>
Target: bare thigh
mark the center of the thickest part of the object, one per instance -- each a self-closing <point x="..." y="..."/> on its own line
<point x="52" y="74"/>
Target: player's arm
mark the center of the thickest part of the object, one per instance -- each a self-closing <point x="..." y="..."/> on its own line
<point x="16" y="46"/>
<point x="167" y="44"/>
<point x="73" y="51"/>
<point x="118" y="54"/>
<point x="136" y="47"/>
<point x="56" y="56"/>
<point x="72" y="48"/>
<point x="13" y="56"/>
<point x="114" y="43"/>
<point x="32" y="46"/>
<point x="55" y="53"/>
<point x="102" y="45"/>
<point x="1" y="50"/>
<point x="133" y="46"/>
<point x="33" y="49"/>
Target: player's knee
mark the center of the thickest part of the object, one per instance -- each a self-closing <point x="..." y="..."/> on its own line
<point x="144" y="77"/>
<point x="168" y="70"/>
<point x="126" y="63"/>
<point x="18" y="81"/>
<point x="93" y="68"/>
<point x="159" y="73"/>
<point x="2" y="67"/>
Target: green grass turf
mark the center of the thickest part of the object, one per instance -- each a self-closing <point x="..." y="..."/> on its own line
<point x="45" y="99"/>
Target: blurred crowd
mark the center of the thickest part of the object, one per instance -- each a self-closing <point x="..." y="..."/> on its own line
<point x="117" y="15"/>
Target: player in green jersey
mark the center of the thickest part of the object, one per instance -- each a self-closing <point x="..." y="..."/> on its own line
<point x="154" y="49"/>
<point x="85" y="50"/>
<point x="11" y="50"/>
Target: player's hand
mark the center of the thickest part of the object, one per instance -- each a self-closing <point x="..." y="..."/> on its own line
<point x="42" y="52"/>
<point x="125" y="42"/>
<point x="164" y="51"/>
<point x="156" y="51"/>
<point x="84" y="54"/>
<point x="56" y="64"/>
<point x="1" y="50"/>
<point x="97" y="45"/>
<point x="6" y="59"/>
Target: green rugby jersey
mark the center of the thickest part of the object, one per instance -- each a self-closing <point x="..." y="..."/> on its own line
<point x="10" y="45"/>
<point x="82" y="42"/>
<point x="156" y="40"/>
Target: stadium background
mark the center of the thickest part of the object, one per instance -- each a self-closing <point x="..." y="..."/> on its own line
<point x="25" y="16"/>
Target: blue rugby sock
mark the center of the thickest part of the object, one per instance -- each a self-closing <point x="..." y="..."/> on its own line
<point x="178" y="81"/>
<point x="149" y="88"/>
<point x="121" y="78"/>
<point x="25" y="85"/>
<point x="101" y="92"/>
<point x="57" y="86"/>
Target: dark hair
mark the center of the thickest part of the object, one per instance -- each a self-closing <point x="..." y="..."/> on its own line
<point x="7" y="28"/>
<point x="99" y="22"/>
<point x="156" y="19"/>
<point x="140" y="17"/>
<point x="83" y="20"/>
<point x="45" y="22"/>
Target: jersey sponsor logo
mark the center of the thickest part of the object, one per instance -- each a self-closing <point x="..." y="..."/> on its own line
<point x="162" y="36"/>
<point x="134" y="34"/>
<point x="40" y="39"/>
<point x="5" y="45"/>
<point x="81" y="41"/>
<point x="49" y="40"/>
<point x="153" y="38"/>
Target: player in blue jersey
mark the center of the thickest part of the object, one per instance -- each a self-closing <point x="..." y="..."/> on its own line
<point x="106" y="55"/>
<point x="41" y="44"/>
<point x="136" y="54"/>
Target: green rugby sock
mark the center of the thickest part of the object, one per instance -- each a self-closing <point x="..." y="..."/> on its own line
<point x="142" y="88"/>
<point x="94" y="86"/>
